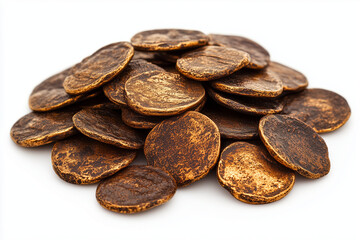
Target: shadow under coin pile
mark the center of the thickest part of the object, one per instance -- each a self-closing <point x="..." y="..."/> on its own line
<point x="192" y="102"/>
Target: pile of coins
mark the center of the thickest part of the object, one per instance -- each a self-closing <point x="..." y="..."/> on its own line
<point x="192" y="102"/>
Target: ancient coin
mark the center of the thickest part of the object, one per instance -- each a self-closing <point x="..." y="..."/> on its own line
<point x="99" y="68"/>
<point x="295" y="145"/>
<point x="211" y="62"/>
<point x="252" y="83"/>
<point x="292" y="80"/>
<point x="160" y="93"/>
<point x="323" y="110"/>
<point x="37" y="129"/>
<point x="82" y="160"/>
<point x="259" y="57"/>
<point x="232" y="124"/>
<point x="114" y="90"/>
<point x="168" y="39"/>
<point x="105" y="125"/>
<point x="187" y="146"/>
<point x="136" y="189"/>
<point x="250" y="174"/>
<point x="248" y="105"/>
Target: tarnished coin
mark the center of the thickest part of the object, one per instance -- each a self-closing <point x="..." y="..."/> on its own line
<point x="160" y="93"/>
<point x="252" y="83"/>
<point x="81" y="160"/>
<point x="168" y="39"/>
<point x="211" y="62"/>
<point x="232" y="124"/>
<point x="37" y="129"/>
<point x="295" y="145"/>
<point x="248" y="105"/>
<point x="187" y="146"/>
<point x="260" y="58"/>
<point x="152" y="57"/>
<point x="251" y="175"/>
<point x="105" y="125"/>
<point x="114" y="90"/>
<point x="99" y="68"/>
<point x="292" y="80"/>
<point x="323" y="110"/>
<point x="136" y="189"/>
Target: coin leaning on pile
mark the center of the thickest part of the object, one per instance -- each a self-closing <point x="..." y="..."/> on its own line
<point x="181" y="96"/>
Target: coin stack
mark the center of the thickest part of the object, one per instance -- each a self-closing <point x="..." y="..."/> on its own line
<point x="192" y="102"/>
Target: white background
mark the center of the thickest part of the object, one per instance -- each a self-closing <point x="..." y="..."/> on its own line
<point x="39" y="38"/>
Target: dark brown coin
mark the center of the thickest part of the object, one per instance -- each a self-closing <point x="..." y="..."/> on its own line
<point x="171" y="56"/>
<point x="152" y="57"/>
<point x="232" y="124"/>
<point x="252" y="83"/>
<point x="295" y="145"/>
<point x="168" y="39"/>
<point x="187" y="146"/>
<point x="260" y="58"/>
<point x="37" y="129"/>
<point x="248" y="105"/>
<point x="105" y="125"/>
<point x="160" y="93"/>
<point x="211" y="62"/>
<point x="251" y="175"/>
<point x="323" y="110"/>
<point x="136" y="189"/>
<point x="99" y="68"/>
<point x="292" y="80"/>
<point x="81" y="160"/>
<point x="114" y="90"/>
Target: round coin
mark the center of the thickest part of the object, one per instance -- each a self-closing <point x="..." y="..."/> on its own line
<point x="168" y="39"/>
<point x="295" y="145"/>
<point x="211" y="62"/>
<point x="161" y="93"/>
<point x="105" y="125"/>
<point x="187" y="146"/>
<point x="81" y="160"/>
<point x="136" y="189"/>
<point x="251" y="175"/>
<point x="259" y="57"/>
<point x="99" y="68"/>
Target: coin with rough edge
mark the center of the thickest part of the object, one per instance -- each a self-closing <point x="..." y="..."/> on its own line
<point x="160" y="93"/>
<point x="37" y="129"/>
<point x="260" y="58"/>
<point x="250" y="174"/>
<point x="248" y="105"/>
<point x="168" y="39"/>
<point x="82" y="160"/>
<point x="292" y="80"/>
<point x="105" y="125"/>
<point x="232" y="124"/>
<point x="323" y="110"/>
<point x="211" y="62"/>
<point x="99" y="68"/>
<point x="295" y="145"/>
<point x="252" y="83"/>
<point x="114" y="90"/>
<point x="187" y="146"/>
<point x="136" y="189"/>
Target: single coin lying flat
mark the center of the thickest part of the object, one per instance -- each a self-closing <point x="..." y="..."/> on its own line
<point x="37" y="129"/>
<point x="259" y="56"/>
<point x="251" y="175"/>
<point x="323" y="110"/>
<point x="99" y="68"/>
<point x="105" y="125"/>
<point x="211" y="62"/>
<point x="187" y="146"/>
<point x="168" y="39"/>
<point x="136" y="189"/>
<point x="82" y="160"/>
<point x="295" y="145"/>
